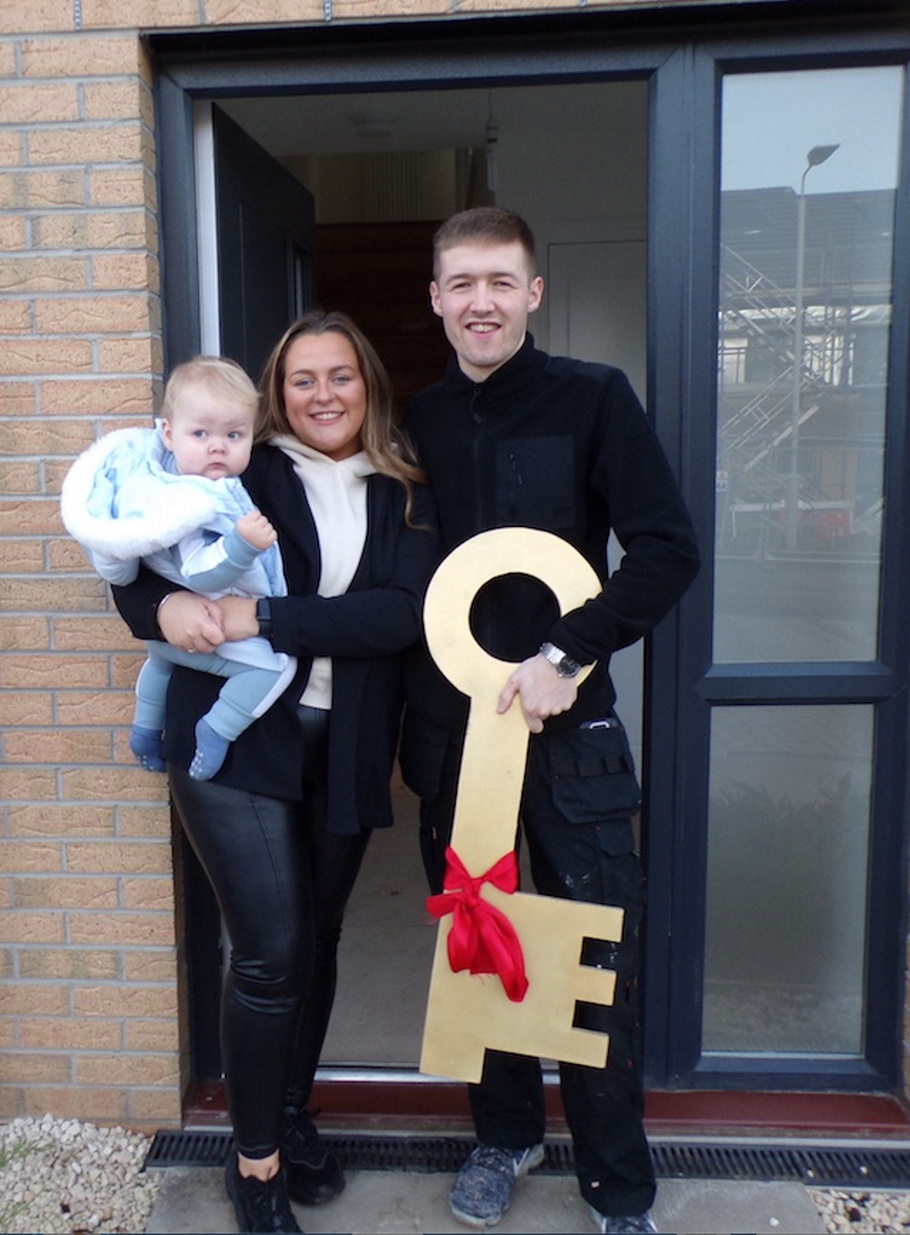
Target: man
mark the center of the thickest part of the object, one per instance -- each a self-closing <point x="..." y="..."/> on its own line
<point x="513" y="437"/>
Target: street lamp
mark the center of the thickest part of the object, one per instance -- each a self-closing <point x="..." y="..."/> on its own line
<point x="817" y="155"/>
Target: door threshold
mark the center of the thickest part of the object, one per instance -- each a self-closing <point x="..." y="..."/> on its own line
<point x="404" y="1100"/>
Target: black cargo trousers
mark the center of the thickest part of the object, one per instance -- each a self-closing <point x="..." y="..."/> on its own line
<point x="578" y="802"/>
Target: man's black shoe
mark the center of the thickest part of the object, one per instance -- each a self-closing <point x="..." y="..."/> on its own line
<point x="260" y="1206"/>
<point x="314" y="1174"/>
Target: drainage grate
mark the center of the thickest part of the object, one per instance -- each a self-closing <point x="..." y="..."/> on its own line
<point x="829" y="1166"/>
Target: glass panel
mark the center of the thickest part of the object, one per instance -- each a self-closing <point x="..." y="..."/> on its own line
<point x="808" y="176"/>
<point x="788" y="838"/>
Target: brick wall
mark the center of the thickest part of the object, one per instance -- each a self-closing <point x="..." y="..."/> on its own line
<point x="89" y="1021"/>
<point x="89" y="961"/>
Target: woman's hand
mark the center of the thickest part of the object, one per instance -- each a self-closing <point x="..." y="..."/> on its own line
<point x="190" y="622"/>
<point x="238" y="617"/>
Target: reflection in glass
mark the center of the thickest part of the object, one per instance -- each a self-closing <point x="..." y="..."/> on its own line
<point x="808" y="181"/>
<point x="788" y="838"/>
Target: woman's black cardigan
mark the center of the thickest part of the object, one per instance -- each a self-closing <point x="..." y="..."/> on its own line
<point x="363" y="631"/>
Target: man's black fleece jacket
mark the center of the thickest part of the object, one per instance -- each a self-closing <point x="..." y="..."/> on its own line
<point x="563" y="445"/>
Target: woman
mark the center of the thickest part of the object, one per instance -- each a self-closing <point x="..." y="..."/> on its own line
<point x="282" y="828"/>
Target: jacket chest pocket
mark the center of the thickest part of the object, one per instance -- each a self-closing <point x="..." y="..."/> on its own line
<point x="535" y="482"/>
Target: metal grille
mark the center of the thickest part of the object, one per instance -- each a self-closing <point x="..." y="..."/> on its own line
<point x="830" y="1166"/>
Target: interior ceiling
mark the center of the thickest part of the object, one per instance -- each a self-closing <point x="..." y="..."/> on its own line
<point x="289" y="126"/>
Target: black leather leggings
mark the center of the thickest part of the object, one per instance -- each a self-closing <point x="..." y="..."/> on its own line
<point x="282" y="882"/>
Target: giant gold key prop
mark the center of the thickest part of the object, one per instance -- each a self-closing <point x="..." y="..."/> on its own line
<point x="469" y="1012"/>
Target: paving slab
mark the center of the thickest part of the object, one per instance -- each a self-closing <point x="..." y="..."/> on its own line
<point x="192" y="1202"/>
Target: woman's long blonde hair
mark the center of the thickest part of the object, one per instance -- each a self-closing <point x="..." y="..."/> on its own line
<point x="383" y="441"/>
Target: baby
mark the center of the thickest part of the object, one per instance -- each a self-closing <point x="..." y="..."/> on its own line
<point x="171" y="496"/>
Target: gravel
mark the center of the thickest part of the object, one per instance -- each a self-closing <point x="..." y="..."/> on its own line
<point x="872" y="1210"/>
<point x="64" y="1177"/>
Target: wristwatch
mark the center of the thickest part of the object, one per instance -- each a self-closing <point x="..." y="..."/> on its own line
<point x="264" y="617"/>
<point x="564" y="665"/>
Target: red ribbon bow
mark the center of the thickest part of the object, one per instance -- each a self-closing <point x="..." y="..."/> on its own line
<point x="482" y="938"/>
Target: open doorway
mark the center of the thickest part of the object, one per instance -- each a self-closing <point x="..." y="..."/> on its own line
<point x="383" y="169"/>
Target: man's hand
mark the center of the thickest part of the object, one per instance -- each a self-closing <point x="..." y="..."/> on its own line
<point x="238" y="617"/>
<point x="541" y="691"/>
<point x="190" y="622"/>
<point x="256" y="530"/>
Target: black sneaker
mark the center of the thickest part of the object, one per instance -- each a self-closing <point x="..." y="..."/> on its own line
<point x="260" y="1206"/>
<point x="314" y="1174"/>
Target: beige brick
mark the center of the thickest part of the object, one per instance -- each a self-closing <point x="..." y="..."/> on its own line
<point x="123" y="1069"/>
<point x="35" y="999"/>
<point x="6" y="962"/>
<point x="21" y="633"/>
<point x="41" y="190"/>
<point x="75" y="55"/>
<point x="120" y="929"/>
<point x="28" y="926"/>
<point x="92" y="229"/>
<point x="29" y="515"/>
<point x="64" y="437"/>
<point x="125" y="271"/>
<point x="12" y="1102"/>
<point x="18" y="398"/>
<point x="118" y="100"/>
<point x="65" y="555"/>
<point x="7" y="59"/>
<point x="237" y="12"/>
<point x="149" y="821"/>
<point x="122" y="186"/>
<point x="101" y="1106"/>
<point x="19" y="476"/>
<point x="43" y="274"/>
<point x="31" y="103"/>
<point x="126" y="856"/>
<point x="154" y="1108"/>
<point x="31" y="856"/>
<point x="15" y="317"/>
<point x="59" y="673"/>
<point x="152" y="1035"/>
<point x="12" y="230"/>
<point x="33" y="16"/>
<point x="8" y="1033"/>
<point x="24" y="557"/>
<point x="148" y="893"/>
<point x="98" y="964"/>
<point x="33" y="1068"/>
<point x="99" y="397"/>
<point x="77" y="746"/>
<point x="135" y="354"/>
<point x="94" y="709"/>
<point x="85" y="633"/>
<point x="117" y="999"/>
<point x="149" y="965"/>
<point x="361" y="10"/>
<point x="111" y="142"/>
<point x="30" y="708"/>
<point x="66" y="892"/>
<point x="46" y="1033"/>
<point x="12" y="147"/>
<point x="27" y="784"/>
<point x="111" y="14"/>
<point x="113" y="313"/>
<point x="45" y="356"/>
<point x="62" y="820"/>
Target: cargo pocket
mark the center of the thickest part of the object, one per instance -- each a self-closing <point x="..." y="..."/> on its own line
<point x="594" y="782"/>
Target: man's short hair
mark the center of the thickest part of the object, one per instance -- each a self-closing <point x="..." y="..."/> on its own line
<point x="484" y="225"/>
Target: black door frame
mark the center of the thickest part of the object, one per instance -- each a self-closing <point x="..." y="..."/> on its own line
<point x="682" y="64"/>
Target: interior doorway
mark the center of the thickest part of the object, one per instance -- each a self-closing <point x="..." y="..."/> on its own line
<point x="383" y="169"/>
